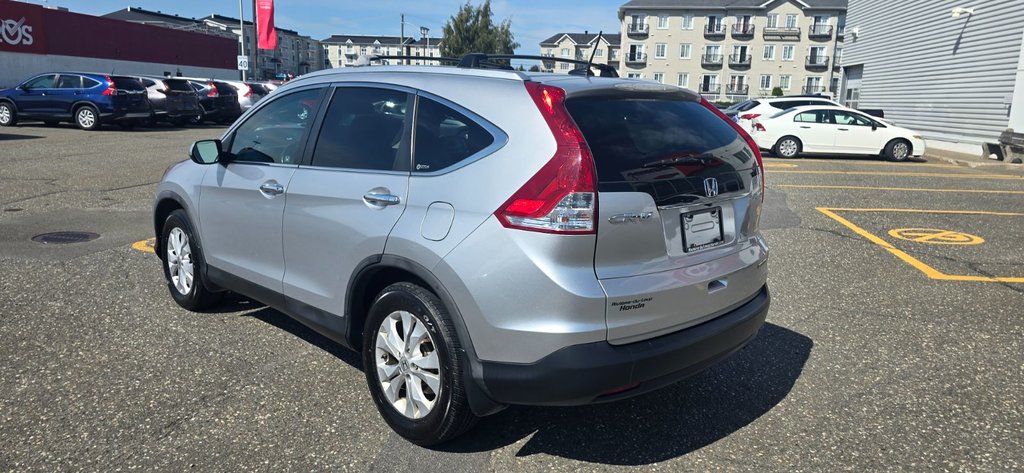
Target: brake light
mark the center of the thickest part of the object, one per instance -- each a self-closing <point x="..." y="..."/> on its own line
<point x="749" y="116"/>
<point x="213" y="90"/>
<point x="248" y="91"/>
<point x="111" y="87"/>
<point x="562" y="196"/>
<point x="759" y="127"/>
<point x="746" y="136"/>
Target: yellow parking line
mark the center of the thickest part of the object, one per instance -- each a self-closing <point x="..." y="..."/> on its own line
<point x="779" y="165"/>
<point x="921" y="266"/>
<point x="906" y="174"/>
<point x="966" y="191"/>
<point x="145" y="246"/>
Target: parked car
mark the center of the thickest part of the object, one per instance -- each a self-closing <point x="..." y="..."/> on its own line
<point x="746" y="111"/>
<point x="218" y="100"/>
<point x="246" y="94"/>
<point x="469" y="261"/>
<point x="85" y="99"/>
<point x="259" y="90"/>
<point x="834" y="130"/>
<point x="172" y="99"/>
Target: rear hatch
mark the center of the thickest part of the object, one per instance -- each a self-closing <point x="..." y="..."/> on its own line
<point x="181" y="98"/>
<point x="227" y="100"/>
<point x="130" y="96"/>
<point x="679" y="199"/>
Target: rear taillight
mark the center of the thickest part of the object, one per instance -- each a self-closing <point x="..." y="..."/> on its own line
<point x="248" y="91"/>
<point x="749" y="116"/>
<point x="759" y="127"/>
<point x="213" y="90"/>
<point x="562" y="196"/>
<point x="111" y="87"/>
<point x="759" y="179"/>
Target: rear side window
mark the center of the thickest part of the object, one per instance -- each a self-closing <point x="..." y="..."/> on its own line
<point x="364" y="129"/>
<point x="148" y="83"/>
<point x="445" y="136"/>
<point x="69" y="82"/>
<point x="812" y="116"/>
<point x="631" y="139"/>
<point x="88" y="83"/>
<point x="127" y="83"/>
<point x="274" y="133"/>
<point x="749" y="104"/>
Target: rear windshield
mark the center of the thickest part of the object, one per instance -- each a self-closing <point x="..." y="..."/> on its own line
<point x="744" y="106"/>
<point x="223" y="88"/>
<point x="127" y="83"/>
<point x="632" y="139"/>
<point x="179" y="85"/>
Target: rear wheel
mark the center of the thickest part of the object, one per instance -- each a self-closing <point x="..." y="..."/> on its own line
<point x="787" y="147"/>
<point x="8" y="117"/>
<point x="184" y="264"/>
<point x="87" y="118"/>
<point x="412" y="365"/>
<point x="897" y="150"/>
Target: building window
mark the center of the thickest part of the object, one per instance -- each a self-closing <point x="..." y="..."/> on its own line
<point x="715" y="24"/>
<point x="834" y="85"/>
<point x="564" y="66"/>
<point x="766" y="81"/>
<point x="784" y="81"/>
<point x="634" y="75"/>
<point x="684" y="51"/>
<point x="659" y="77"/>
<point x="769" y="52"/>
<point x="787" y="52"/>
<point x="773" y="20"/>
<point x="565" y="52"/>
<point x="683" y="79"/>
<point x="839" y="56"/>
<point x="659" y="50"/>
<point x="613" y="54"/>
<point x="662" y="22"/>
<point x="599" y="52"/>
<point x="791" y="21"/>
<point x="687" y="22"/>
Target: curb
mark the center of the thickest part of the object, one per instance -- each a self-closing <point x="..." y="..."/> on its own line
<point x="1016" y="168"/>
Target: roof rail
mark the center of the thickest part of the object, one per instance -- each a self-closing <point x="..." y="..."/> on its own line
<point x="486" y="61"/>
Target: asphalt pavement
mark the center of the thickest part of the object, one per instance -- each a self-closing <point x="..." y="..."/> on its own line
<point x="894" y="340"/>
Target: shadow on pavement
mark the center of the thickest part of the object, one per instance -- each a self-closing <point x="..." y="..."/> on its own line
<point x="12" y="137"/>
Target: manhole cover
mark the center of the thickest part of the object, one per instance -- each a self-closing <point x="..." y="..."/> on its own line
<point x="63" y="238"/>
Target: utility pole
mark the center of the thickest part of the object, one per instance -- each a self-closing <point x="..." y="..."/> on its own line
<point x="401" y="41"/>
<point x="241" y="33"/>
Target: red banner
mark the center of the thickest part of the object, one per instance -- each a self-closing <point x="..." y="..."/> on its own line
<point x="265" y="24"/>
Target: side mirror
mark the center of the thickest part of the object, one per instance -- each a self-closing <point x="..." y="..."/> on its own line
<point x="206" y="151"/>
<point x="874" y="126"/>
<point x="24" y="87"/>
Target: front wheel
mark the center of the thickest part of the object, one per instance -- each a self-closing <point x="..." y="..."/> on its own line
<point x="87" y="118"/>
<point x="787" y="147"/>
<point x="897" y="150"/>
<point x="184" y="264"/>
<point x="412" y="365"/>
<point x="8" y="117"/>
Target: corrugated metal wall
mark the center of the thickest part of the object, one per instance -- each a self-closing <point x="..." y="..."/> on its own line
<point x="951" y="79"/>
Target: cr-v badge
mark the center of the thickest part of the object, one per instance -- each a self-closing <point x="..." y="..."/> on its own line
<point x="630" y="218"/>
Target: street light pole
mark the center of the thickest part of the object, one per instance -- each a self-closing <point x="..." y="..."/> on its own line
<point x="423" y="31"/>
<point x="241" y="33"/>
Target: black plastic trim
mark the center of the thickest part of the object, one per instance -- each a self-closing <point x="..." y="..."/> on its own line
<point x="581" y="374"/>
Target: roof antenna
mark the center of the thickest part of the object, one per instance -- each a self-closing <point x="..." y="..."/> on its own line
<point x="597" y="44"/>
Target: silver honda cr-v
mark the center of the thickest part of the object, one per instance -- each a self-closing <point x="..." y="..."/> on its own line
<point x="483" y="237"/>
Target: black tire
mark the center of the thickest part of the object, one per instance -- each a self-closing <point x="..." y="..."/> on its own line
<point x="196" y="120"/>
<point x="8" y="116"/>
<point x="898" y="150"/>
<point x="788" y="147"/>
<point x="451" y="415"/>
<point x="87" y="117"/>
<point x="197" y="296"/>
<point x="51" y="123"/>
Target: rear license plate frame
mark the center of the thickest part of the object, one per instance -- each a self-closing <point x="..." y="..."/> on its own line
<point x="697" y="240"/>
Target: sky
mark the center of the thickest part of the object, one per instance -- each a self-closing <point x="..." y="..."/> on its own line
<point x="532" y="20"/>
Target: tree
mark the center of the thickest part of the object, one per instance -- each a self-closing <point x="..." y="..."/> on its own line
<point x="472" y="30"/>
<point x="777" y="92"/>
<point x="534" y="68"/>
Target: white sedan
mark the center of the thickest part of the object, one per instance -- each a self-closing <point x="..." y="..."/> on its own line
<point x="834" y="130"/>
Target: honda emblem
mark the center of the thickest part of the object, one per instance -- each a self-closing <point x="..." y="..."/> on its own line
<point x="711" y="187"/>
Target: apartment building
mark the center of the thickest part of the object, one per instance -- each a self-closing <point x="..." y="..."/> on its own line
<point x="580" y="46"/>
<point x="345" y="50"/>
<point x="295" y="54"/>
<point x="956" y="76"/>
<point x="731" y="50"/>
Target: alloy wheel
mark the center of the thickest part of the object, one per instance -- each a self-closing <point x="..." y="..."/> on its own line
<point x="86" y="118"/>
<point x="5" y="114"/>
<point x="900" y="151"/>
<point x="407" y="363"/>
<point x="179" y="261"/>
<point x="788" y="148"/>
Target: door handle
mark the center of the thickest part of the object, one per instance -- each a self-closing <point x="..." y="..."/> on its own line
<point x="844" y="129"/>
<point x="272" y="188"/>
<point x="806" y="127"/>
<point x="381" y="200"/>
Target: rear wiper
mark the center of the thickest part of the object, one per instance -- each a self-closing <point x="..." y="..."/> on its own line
<point x="705" y="158"/>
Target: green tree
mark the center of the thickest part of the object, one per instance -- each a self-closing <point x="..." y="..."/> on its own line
<point x="534" y="68"/>
<point x="472" y="30"/>
<point x="777" y="92"/>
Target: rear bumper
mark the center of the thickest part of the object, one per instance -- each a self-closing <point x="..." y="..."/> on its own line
<point x="592" y="372"/>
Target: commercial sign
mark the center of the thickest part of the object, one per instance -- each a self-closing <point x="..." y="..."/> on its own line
<point x="21" y="28"/>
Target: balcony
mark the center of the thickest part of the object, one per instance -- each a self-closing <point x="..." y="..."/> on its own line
<point x="709" y="89"/>
<point x="819" y="32"/>
<point x="737" y="89"/>
<point x="782" y="33"/>
<point x="813" y="89"/>
<point x="817" y="62"/>
<point x="739" y="61"/>
<point x="711" y="60"/>
<point x="636" y="59"/>
<point x="714" y="31"/>
<point x="637" y="31"/>
<point x="740" y="31"/>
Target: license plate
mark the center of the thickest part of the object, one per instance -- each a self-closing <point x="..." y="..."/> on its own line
<point x="702" y="229"/>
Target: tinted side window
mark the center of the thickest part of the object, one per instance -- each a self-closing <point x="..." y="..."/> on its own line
<point x="445" y="137"/>
<point x="364" y="129"/>
<point x="785" y="104"/>
<point x="69" y="82"/>
<point x="274" y="133"/>
<point x="42" y="82"/>
<point x="148" y="83"/>
<point x="749" y="104"/>
<point x="846" y="118"/>
<point x="88" y="83"/>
